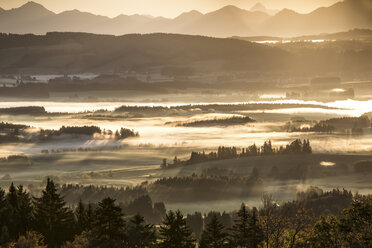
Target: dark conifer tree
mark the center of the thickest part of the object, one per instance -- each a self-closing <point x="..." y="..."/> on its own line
<point x="247" y="232"/>
<point x="256" y="232"/>
<point x="240" y="231"/>
<point x="140" y="234"/>
<point x="81" y="218"/>
<point x="18" y="211"/>
<point x="52" y="218"/>
<point x="12" y="219"/>
<point x="174" y="232"/>
<point x="214" y="235"/>
<point x="109" y="225"/>
<point x="89" y="217"/>
<point x="24" y="211"/>
<point x="4" y="234"/>
<point x="195" y="223"/>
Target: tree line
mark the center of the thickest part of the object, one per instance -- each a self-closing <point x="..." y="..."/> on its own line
<point x="46" y="221"/>
<point x="296" y="147"/>
<point x="206" y="187"/>
<point x="20" y="133"/>
<point x="234" y="120"/>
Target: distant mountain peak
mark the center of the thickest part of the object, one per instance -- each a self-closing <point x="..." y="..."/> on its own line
<point x="32" y="8"/>
<point x="32" y="5"/>
<point x="73" y="11"/>
<point x="286" y="11"/>
<point x="192" y="13"/>
<point x="227" y="21"/>
<point x="229" y="10"/>
<point x="230" y="7"/>
<point x="258" y="7"/>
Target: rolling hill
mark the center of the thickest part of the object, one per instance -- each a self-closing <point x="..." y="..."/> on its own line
<point x="83" y="52"/>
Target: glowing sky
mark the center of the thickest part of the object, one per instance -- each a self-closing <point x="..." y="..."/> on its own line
<point x="166" y="8"/>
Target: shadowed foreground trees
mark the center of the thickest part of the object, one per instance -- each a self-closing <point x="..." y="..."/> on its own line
<point x="109" y="225"/>
<point x="214" y="235"/>
<point x="140" y="234"/>
<point x="47" y="222"/>
<point x="246" y="232"/>
<point x="174" y="232"/>
<point x="52" y="218"/>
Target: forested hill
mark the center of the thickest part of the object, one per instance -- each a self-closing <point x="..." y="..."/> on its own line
<point x="82" y="52"/>
<point x="175" y="54"/>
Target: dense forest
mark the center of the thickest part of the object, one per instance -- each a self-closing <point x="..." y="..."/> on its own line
<point x="296" y="147"/>
<point x="22" y="133"/>
<point x="82" y="52"/>
<point x="205" y="188"/>
<point x="28" y="110"/>
<point x="229" y="121"/>
<point x="132" y="52"/>
<point x="314" y="219"/>
<point x="343" y="124"/>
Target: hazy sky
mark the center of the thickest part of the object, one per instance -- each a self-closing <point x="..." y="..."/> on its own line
<point x="166" y="8"/>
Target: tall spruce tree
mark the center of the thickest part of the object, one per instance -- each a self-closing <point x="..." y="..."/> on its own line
<point x="246" y="232"/>
<point x="174" y="232"/>
<point x="4" y="234"/>
<point x="81" y="218"/>
<point x="240" y="230"/>
<point x="19" y="211"/>
<point x="12" y="219"/>
<point x="109" y="225"/>
<point x="140" y="234"/>
<point x="255" y="230"/>
<point x="24" y="210"/>
<point x="89" y="217"/>
<point x="52" y="218"/>
<point x="214" y="235"/>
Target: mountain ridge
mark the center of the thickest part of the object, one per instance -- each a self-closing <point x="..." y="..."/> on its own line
<point x="225" y="22"/>
<point x="260" y="7"/>
<point x="84" y="52"/>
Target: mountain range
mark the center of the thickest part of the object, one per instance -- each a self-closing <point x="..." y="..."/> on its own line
<point x="224" y="22"/>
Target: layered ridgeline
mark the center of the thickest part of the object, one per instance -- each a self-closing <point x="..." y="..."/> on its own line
<point x="171" y="54"/>
<point x="80" y="52"/>
<point x="225" y="22"/>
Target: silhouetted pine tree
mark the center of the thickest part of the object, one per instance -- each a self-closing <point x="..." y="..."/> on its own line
<point x="89" y="217"/>
<point x="240" y="230"/>
<point x="12" y="219"/>
<point x="81" y="217"/>
<point x="52" y="218"/>
<point x="24" y="211"/>
<point x="140" y="234"/>
<point x="255" y="230"/>
<point x="174" y="232"/>
<point x="16" y="212"/>
<point x="109" y="225"/>
<point x="246" y="231"/>
<point x="214" y="235"/>
<point x="4" y="234"/>
<point x="306" y="147"/>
